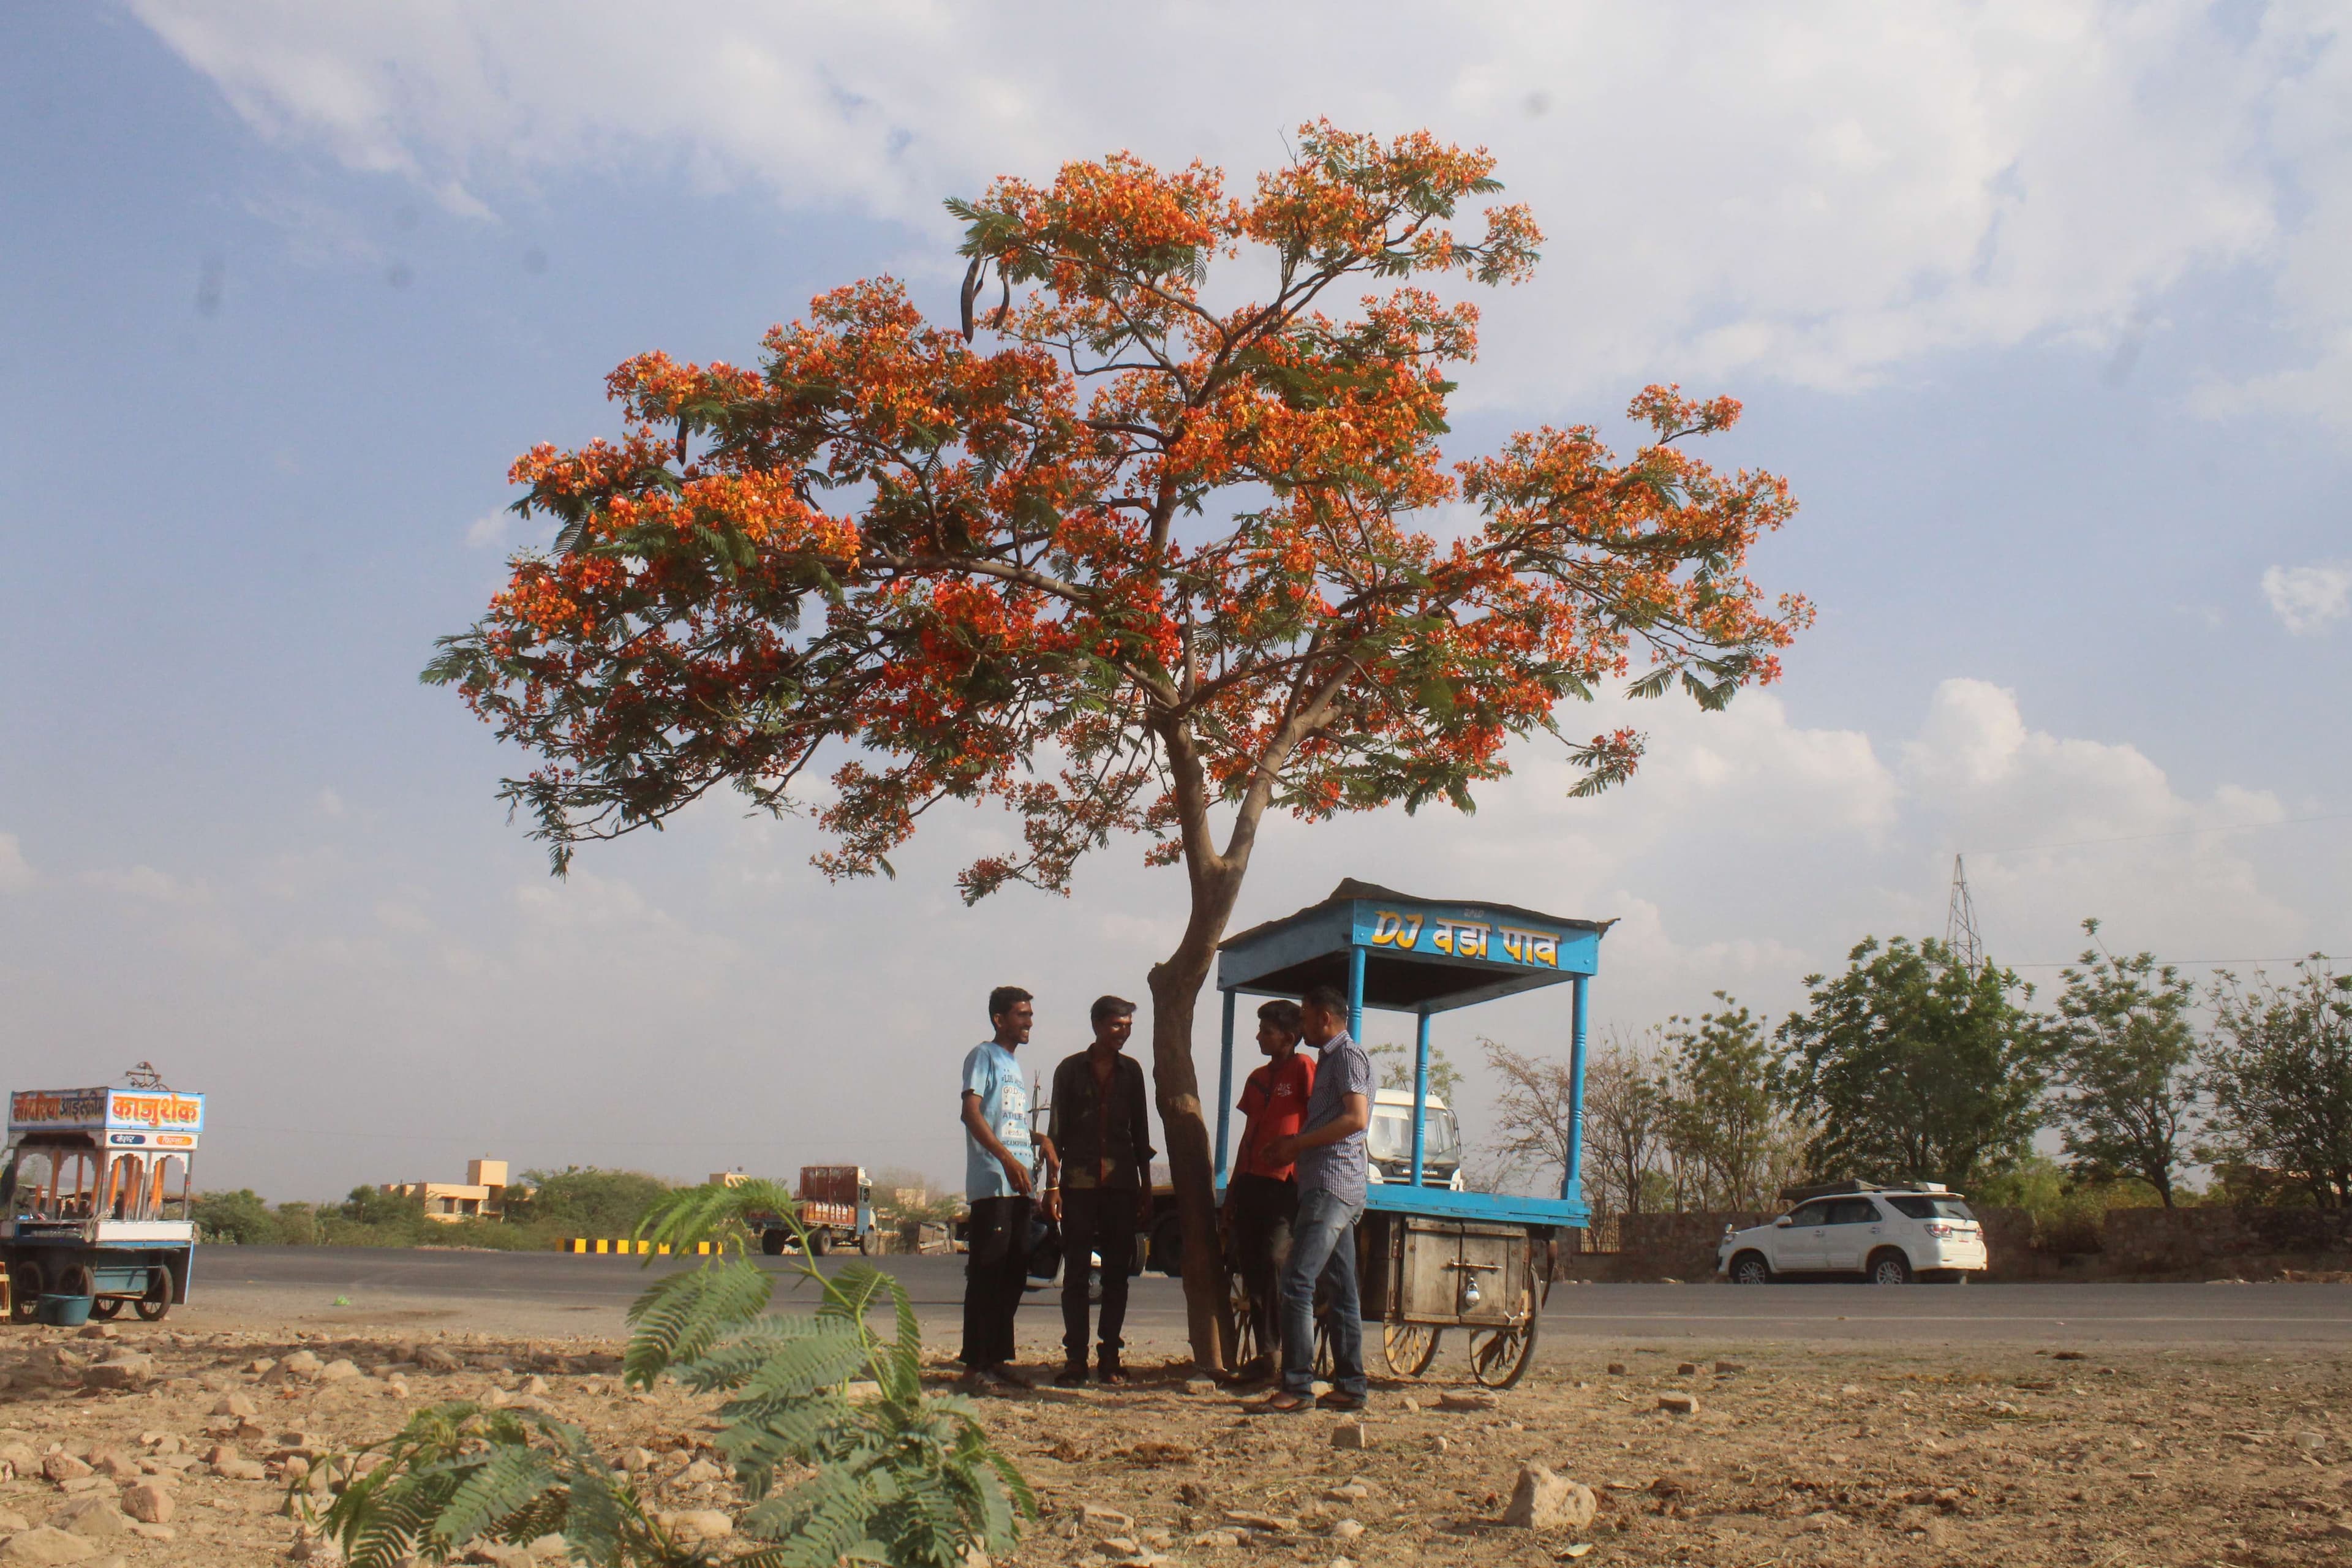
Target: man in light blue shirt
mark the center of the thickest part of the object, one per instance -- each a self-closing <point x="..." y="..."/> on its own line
<point x="1329" y="1151"/>
<point x="997" y="1153"/>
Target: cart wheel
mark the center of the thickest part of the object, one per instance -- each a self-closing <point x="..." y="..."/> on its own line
<point x="24" y="1284"/>
<point x="158" y="1300"/>
<point x="75" y="1281"/>
<point x="1245" y="1345"/>
<point x="1409" y="1347"/>
<point x="1499" y="1357"/>
<point x="106" y="1307"/>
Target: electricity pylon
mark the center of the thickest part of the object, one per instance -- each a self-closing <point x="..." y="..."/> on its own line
<point x="1960" y="924"/>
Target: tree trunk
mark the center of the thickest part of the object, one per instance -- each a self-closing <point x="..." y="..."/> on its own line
<point x="1175" y="989"/>
<point x="1175" y="993"/>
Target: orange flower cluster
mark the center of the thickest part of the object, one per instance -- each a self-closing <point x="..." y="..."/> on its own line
<point x="1180" y="550"/>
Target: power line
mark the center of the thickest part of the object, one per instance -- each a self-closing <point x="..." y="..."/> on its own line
<point x="2178" y="963"/>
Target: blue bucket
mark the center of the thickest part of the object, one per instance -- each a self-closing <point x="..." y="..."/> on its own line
<point x="64" y="1311"/>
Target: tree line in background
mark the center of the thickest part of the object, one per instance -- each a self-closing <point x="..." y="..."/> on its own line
<point x="1913" y="1066"/>
<point x="542" y="1209"/>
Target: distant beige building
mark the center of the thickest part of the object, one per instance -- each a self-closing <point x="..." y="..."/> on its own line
<point x="481" y="1195"/>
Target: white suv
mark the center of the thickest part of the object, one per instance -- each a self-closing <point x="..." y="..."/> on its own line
<point x="1889" y="1235"/>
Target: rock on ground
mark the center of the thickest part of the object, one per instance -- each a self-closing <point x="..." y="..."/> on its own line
<point x="44" y="1544"/>
<point x="1542" y="1500"/>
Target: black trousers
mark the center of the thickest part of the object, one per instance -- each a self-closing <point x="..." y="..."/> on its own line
<point x="1262" y="1209"/>
<point x="1095" y="1219"/>
<point x="995" y="1272"/>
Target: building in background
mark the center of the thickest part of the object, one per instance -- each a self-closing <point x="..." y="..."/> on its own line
<point x="481" y="1195"/>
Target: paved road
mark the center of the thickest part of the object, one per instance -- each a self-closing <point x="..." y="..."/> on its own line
<point x="556" y="1292"/>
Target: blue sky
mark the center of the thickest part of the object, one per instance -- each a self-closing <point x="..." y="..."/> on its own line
<point x="2044" y="310"/>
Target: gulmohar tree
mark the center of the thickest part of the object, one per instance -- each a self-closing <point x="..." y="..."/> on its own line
<point x="1118" y="554"/>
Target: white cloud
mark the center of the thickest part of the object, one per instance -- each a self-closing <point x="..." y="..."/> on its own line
<point x="2308" y="115"/>
<point x="490" y="529"/>
<point x="702" y="998"/>
<point x="1818" y="191"/>
<point x="2306" y="598"/>
<point x="149" y="885"/>
<point x="15" y="872"/>
<point x="2058" y="827"/>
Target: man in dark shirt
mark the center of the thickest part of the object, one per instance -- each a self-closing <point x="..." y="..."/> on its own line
<point x="1100" y="1135"/>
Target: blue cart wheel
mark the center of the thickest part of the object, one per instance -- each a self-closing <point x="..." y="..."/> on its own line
<point x="106" y="1307"/>
<point x="160" y="1290"/>
<point x="24" y="1287"/>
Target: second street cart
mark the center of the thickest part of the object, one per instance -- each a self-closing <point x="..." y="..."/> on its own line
<point x="1429" y="1259"/>
<point x="94" y="1197"/>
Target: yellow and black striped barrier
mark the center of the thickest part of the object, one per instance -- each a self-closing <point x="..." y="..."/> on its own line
<point x="627" y="1246"/>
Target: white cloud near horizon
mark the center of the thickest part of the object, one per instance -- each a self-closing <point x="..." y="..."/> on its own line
<point x="16" y="871"/>
<point x="1817" y="193"/>
<point x="2307" y="599"/>
<point x="365" y="1011"/>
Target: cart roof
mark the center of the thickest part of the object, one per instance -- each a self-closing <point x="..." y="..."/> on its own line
<point x="1421" y="955"/>
<point x="131" y="1117"/>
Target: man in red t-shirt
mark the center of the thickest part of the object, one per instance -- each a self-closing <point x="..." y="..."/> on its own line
<point x="1262" y="1198"/>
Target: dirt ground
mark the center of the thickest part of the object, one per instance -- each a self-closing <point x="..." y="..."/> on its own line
<point x="1794" y="1454"/>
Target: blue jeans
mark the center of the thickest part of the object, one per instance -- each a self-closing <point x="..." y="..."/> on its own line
<point x="1323" y="1251"/>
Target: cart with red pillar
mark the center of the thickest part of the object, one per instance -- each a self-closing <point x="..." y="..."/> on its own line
<point x="1429" y="1259"/>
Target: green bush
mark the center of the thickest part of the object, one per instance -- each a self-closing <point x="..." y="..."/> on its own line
<point x="240" y="1217"/>
<point x="895" y="1477"/>
<point x="582" y="1200"/>
<point x="370" y="1217"/>
<point x="2069" y="1214"/>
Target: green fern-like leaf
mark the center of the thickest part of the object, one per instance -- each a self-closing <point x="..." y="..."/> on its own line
<point x="734" y="1363"/>
<point x="724" y="1216"/>
<point x="504" y="1485"/>
<point x="682" y="1316"/>
<point x="905" y="1479"/>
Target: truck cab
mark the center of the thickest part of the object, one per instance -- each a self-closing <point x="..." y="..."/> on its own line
<point x="836" y="1207"/>
<point x="1388" y="1142"/>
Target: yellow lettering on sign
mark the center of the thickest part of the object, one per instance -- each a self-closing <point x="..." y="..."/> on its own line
<point x="1393" y="929"/>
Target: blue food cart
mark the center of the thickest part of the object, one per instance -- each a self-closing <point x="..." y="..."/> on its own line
<point x="94" y="1198"/>
<point x="1429" y="1258"/>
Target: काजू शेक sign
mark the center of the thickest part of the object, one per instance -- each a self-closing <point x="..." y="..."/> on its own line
<point x="158" y="1111"/>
